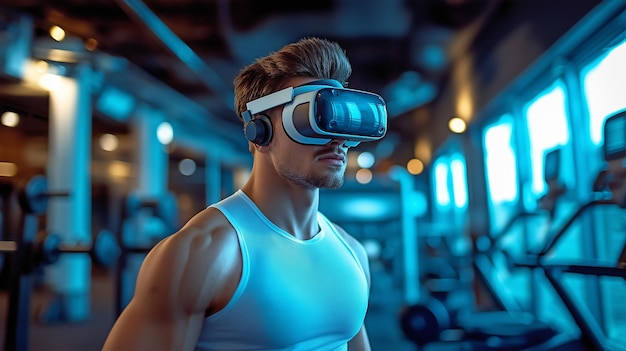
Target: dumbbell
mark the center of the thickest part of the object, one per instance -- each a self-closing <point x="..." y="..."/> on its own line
<point x="424" y="321"/>
<point x="104" y="252"/>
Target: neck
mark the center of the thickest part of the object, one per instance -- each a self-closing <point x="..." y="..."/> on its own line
<point x="289" y="207"/>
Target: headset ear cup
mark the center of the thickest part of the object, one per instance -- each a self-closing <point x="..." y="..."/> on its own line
<point x="259" y="130"/>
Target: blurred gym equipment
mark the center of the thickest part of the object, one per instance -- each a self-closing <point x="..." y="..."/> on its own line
<point x="614" y="177"/>
<point x="30" y="250"/>
<point x="449" y="321"/>
<point x="427" y="324"/>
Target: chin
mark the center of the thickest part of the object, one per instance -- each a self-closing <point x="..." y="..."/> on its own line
<point x="335" y="183"/>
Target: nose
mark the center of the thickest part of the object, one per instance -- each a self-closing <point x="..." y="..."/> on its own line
<point x="339" y="142"/>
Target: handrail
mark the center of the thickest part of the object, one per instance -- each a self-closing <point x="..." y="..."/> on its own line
<point x="554" y="238"/>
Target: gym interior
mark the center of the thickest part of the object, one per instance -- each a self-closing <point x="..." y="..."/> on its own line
<point x="492" y="212"/>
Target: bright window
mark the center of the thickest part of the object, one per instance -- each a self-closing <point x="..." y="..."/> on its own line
<point x="603" y="85"/>
<point x="459" y="180"/>
<point x="500" y="161"/>
<point x="548" y="128"/>
<point x="441" y="182"/>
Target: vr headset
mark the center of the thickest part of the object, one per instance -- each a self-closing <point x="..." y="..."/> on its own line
<point x="318" y="112"/>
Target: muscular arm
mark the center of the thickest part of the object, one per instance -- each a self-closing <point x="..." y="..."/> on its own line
<point x="180" y="279"/>
<point x="360" y="342"/>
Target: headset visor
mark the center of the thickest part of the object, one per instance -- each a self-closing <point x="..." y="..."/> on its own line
<point x="328" y="113"/>
<point x="316" y="114"/>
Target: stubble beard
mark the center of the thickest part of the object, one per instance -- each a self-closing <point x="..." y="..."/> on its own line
<point x="312" y="180"/>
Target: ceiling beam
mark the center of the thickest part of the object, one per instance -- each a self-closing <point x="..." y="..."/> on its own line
<point x="150" y="21"/>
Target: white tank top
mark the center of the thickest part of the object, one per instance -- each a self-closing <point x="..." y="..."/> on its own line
<point x="295" y="295"/>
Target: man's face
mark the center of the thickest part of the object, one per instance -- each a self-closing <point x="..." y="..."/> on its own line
<point x="306" y="166"/>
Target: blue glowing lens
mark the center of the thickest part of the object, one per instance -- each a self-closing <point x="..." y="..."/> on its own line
<point x="350" y="112"/>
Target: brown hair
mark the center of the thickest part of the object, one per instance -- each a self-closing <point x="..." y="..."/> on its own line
<point x="309" y="57"/>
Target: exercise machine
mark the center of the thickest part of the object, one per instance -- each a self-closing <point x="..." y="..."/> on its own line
<point x="612" y="179"/>
<point x="437" y="322"/>
<point x="29" y="250"/>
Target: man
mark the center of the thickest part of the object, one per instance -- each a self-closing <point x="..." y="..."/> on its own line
<point x="263" y="269"/>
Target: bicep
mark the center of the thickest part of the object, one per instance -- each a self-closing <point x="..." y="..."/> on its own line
<point x="141" y="327"/>
<point x="161" y="315"/>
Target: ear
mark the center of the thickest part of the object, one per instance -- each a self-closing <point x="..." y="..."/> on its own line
<point x="261" y="148"/>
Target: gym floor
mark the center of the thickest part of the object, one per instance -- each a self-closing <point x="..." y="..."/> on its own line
<point x="89" y="335"/>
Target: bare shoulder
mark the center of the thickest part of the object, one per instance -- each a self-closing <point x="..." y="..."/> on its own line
<point x="180" y="280"/>
<point x="205" y="233"/>
<point x="203" y="256"/>
<point x="206" y="230"/>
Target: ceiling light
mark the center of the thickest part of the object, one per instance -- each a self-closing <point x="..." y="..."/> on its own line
<point x="415" y="166"/>
<point x="165" y="133"/>
<point x="365" y="159"/>
<point x="57" y="33"/>
<point x="457" y="125"/>
<point x="364" y="176"/>
<point x="8" y="169"/>
<point x="109" y="142"/>
<point x="10" y="119"/>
